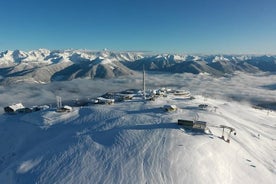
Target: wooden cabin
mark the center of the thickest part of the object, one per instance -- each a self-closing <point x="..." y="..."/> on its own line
<point x="186" y="123"/>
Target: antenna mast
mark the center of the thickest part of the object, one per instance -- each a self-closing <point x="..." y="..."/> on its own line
<point x="59" y="104"/>
<point x="144" y="82"/>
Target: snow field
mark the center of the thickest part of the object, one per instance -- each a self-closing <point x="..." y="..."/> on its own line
<point x="137" y="142"/>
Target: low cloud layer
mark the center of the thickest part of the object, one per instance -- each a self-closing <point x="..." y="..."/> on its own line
<point x="241" y="87"/>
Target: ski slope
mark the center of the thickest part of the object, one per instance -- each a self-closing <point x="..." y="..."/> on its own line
<point x="138" y="142"/>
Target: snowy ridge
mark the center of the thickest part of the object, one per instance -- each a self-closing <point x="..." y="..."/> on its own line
<point x="55" y="56"/>
<point x="19" y="66"/>
<point x="43" y="66"/>
<point x="220" y="58"/>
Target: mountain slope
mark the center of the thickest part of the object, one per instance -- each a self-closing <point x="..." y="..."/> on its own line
<point x="137" y="142"/>
<point x="98" y="68"/>
<point x="43" y="66"/>
<point x="264" y="63"/>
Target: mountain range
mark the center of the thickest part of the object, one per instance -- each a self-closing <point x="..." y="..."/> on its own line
<point x="43" y="66"/>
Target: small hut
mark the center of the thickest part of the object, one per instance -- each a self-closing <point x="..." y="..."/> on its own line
<point x="193" y="125"/>
<point x="186" y="123"/>
<point x="182" y="93"/>
<point x="170" y="108"/>
<point x="14" y="108"/>
<point x="64" y="108"/>
<point x="25" y="110"/>
<point x="102" y="100"/>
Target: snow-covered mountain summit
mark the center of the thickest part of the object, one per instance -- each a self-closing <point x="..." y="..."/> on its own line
<point x="138" y="142"/>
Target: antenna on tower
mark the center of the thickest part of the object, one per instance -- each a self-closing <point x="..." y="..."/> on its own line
<point x="144" y="82"/>
<point x="59" y="104"/>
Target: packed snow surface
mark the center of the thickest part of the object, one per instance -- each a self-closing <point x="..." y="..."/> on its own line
<point x="138" y="142"/>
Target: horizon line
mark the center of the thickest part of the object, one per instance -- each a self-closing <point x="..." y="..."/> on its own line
<point x="143" y="51"/>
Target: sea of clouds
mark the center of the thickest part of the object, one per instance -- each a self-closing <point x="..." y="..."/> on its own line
<point x="243" y="87"/>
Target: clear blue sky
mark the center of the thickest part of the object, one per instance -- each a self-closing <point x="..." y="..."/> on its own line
<point x="175" y="26"/>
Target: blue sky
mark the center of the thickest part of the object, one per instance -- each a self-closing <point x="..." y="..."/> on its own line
<point x="175" y="26"/>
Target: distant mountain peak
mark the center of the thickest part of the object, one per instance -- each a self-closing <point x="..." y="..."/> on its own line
<point x="46" y="65"/>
